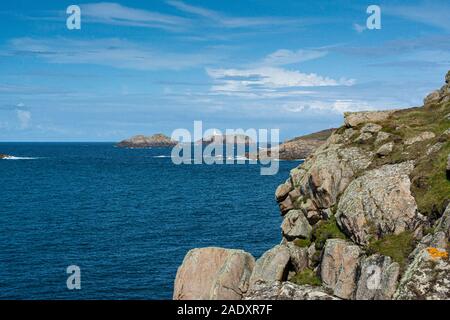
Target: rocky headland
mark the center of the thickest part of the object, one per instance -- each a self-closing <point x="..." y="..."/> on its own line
<point x="141" y="141"/>
<point x="297" y="148"/>
<point x="366" y="216"/>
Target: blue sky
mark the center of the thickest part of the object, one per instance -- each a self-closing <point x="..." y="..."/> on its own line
<point x="154" y="66"/>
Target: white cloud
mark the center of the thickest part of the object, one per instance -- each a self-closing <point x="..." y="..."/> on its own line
<point x="24" y="118"/>
<point x="111" y="52"/>
<point x="284" y="56"/>
<point x="116" y="14"/>
<point x="268" y="79"/>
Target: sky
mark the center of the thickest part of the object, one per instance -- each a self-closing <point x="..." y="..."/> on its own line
<point x="142" y="67"/>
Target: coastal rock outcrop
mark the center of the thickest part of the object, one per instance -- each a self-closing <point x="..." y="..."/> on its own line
<point x="4" y="156"/>
<point x="367" y="215"/>
<point x="213" y="274"/>
<point x="141" y="141"/>
<point x="379" y="203"/>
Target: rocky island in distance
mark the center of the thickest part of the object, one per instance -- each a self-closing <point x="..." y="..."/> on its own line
<point x="141" y="141"/>
<point x="365" y="217"/>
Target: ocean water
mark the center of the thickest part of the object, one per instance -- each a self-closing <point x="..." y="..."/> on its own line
<point x="126" y="217"/>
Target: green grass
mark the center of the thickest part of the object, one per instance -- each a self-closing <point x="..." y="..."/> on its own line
<point x="398" y="247"/>
<point x="302" y="243"/>
<point x="306" y="276"/>
<point x="430" y="186"/>
<point x="324" y="230"/>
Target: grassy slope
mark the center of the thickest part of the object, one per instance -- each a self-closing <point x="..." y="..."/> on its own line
<point x="430" y="186"/>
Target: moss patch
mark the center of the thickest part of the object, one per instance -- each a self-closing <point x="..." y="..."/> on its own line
<point x="398" y="247"/>
<point x="324" y="230"/>
<point x="302" y="243"/>
<point x="306" y="276"/>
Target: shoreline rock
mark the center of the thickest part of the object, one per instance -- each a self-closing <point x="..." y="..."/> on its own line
<point x="213" y="274"/>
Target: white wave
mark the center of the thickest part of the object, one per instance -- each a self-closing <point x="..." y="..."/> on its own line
<point x="19" y="158"/>
<point x="162" y="156"/>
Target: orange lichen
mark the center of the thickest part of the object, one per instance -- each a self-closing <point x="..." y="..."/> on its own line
<point x="436" y="253"/>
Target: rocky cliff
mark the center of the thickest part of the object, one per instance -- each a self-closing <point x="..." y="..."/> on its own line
<point x="366" y="216"/>
<point x="141" y="141"/>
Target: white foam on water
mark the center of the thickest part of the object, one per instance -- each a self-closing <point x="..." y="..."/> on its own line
<point x="20" y="158"/>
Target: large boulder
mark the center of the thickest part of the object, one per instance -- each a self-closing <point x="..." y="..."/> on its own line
<point x="328" y="172"/>
<point x="213" y="274"/>
<point x="295" y="225"/>
<point x="272" y="266"/>
<point x="339" y="267"/>
<point x="427" y="277"/>
<point x="378" y="278"/>
<point x="353" y="119"/>
<point x="286" y="291"/>
<point x="379" y="203"/>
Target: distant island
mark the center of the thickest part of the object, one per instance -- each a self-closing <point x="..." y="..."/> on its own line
<point x="227" y="139"/>
<point x="141" y="141"/>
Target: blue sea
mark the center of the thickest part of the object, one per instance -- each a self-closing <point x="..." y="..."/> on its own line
<point x="126" y="217"/>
